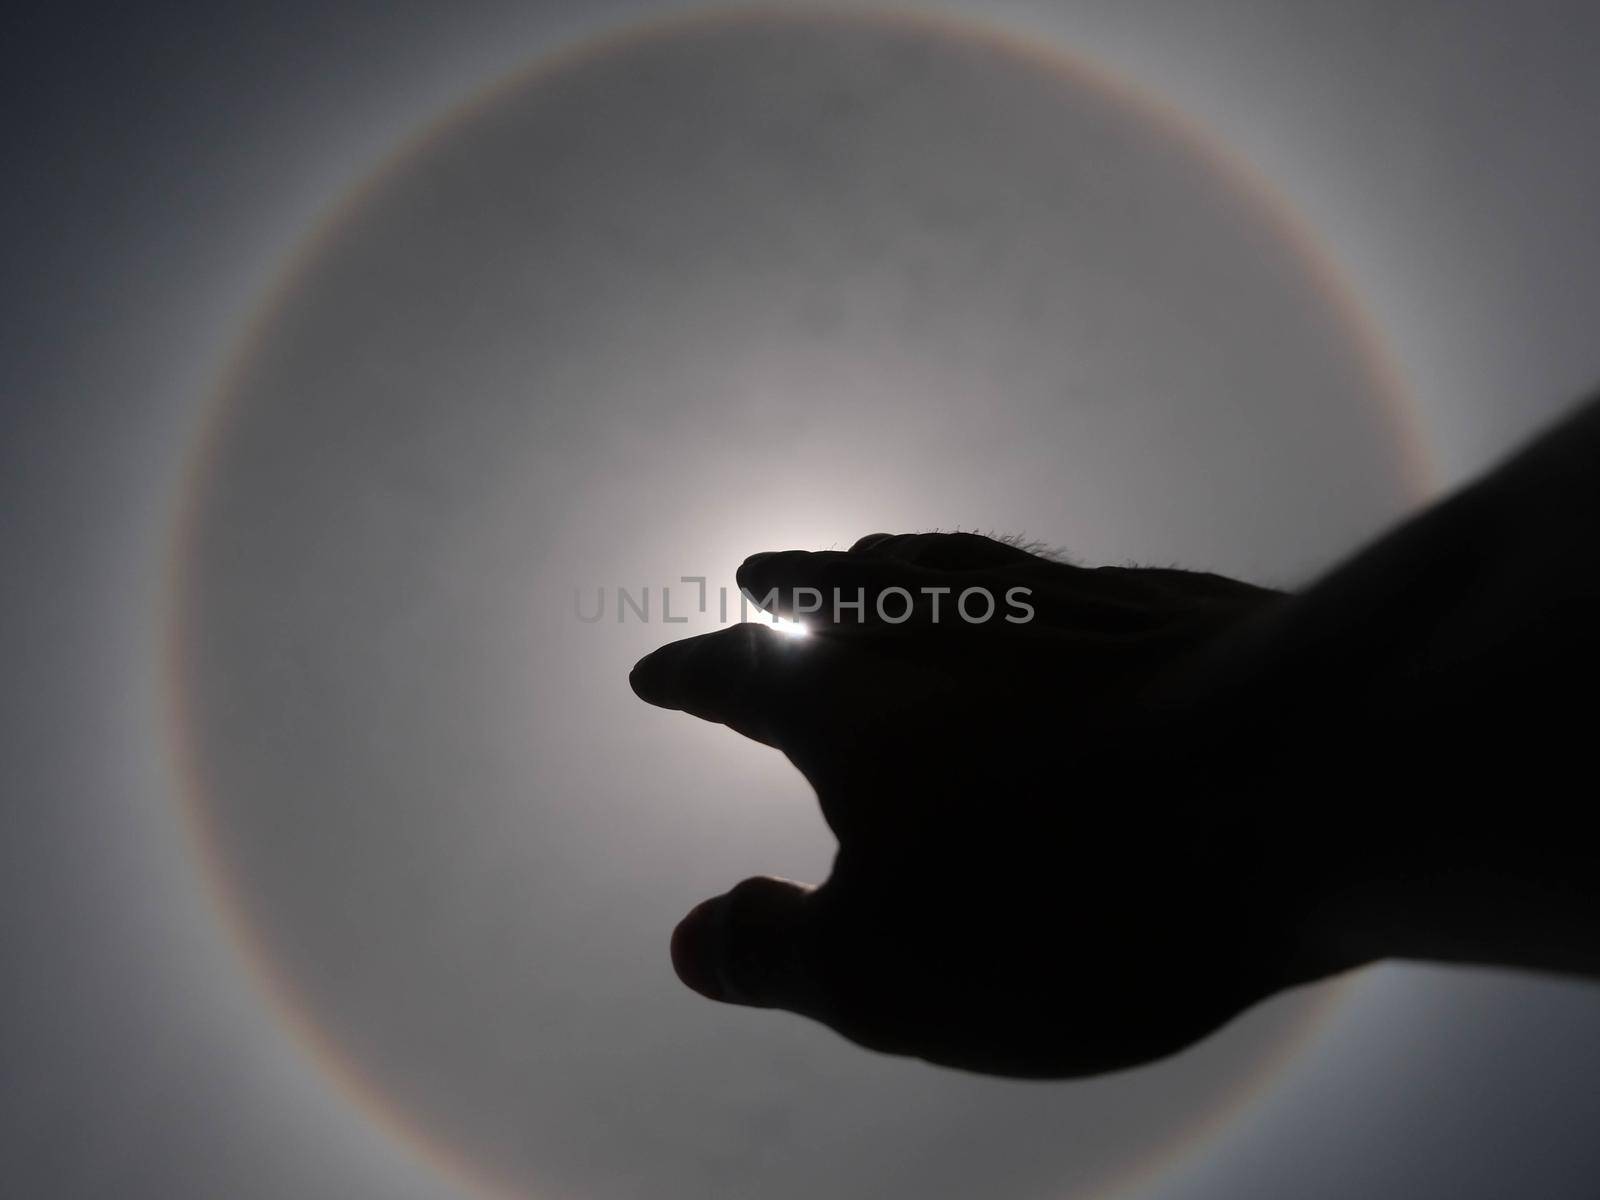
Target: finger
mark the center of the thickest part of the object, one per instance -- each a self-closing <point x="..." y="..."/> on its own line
<point x="827" y="587"/>
<point x="755" y="945"/>
<point x="913" y="581"/>
<point x="745" y="677"/>
<point x="839" y="590"/>
<point x="975" y="552"/>
<point x="872" y="541"/>
<point x="771" y="943"/>
<point x="822" y="702"/>
<point x="945" y="551"/>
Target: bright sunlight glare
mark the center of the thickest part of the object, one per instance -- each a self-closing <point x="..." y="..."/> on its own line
<point x="780" y="624"/>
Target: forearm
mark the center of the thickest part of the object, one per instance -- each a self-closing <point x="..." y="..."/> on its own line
<point x="1498" y="584"/>
<point x="1428" y="711"/>
<point x="1519" y="892"/>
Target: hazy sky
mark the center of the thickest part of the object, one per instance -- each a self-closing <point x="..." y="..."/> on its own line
<point x="628" y="320"/>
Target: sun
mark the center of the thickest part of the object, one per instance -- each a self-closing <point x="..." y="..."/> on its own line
<point x="781" y="625"/>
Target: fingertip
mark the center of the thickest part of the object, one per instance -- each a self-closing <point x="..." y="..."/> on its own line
<point x="750" y="566"/>
<point x="760" y="574"/>
<point x="871" y="542"/>
<point x="645" y="678"/>
<point x="747" y="945"/>
<point x="697" y="947"/>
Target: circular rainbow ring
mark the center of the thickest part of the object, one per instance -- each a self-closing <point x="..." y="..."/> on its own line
<point x="269" y="981"/>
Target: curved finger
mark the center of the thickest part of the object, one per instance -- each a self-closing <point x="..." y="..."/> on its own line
<point x="744" y="677"/>
<point x="754" y="945"/>
<point x="841" y="590"/>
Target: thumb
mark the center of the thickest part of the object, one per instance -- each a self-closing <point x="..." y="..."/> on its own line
<point x="753" y="945"/>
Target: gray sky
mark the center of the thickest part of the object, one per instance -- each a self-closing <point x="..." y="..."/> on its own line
<point x="632" y="321"/>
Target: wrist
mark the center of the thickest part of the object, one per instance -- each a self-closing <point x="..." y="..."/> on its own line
<point x="1440" y="885"/>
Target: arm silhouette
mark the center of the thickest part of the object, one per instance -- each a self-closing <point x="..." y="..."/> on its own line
<point x="1082" y="841"/>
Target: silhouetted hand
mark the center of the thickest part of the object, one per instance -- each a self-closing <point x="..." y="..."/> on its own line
<point x="1031" y="876"/>
<point x="1082" y="841"/>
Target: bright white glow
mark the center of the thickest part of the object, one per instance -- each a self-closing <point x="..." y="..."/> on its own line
<point x="781" y="624"/>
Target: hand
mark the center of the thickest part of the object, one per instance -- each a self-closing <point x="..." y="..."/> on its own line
<point x="1039" y="872"/>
